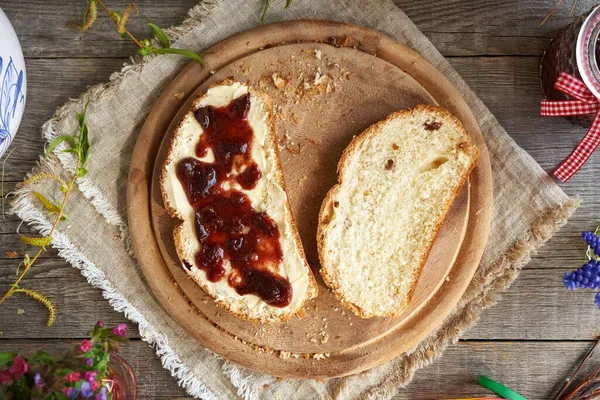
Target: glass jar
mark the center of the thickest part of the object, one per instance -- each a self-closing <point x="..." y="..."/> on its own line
<point x="575" y="51"/>
<point x="120" y="379"/>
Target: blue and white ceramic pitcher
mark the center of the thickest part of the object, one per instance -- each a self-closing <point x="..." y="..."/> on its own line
<point x="12" y="83"/>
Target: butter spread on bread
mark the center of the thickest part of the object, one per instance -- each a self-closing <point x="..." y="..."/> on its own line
<point x="396" y="183"/>
<point x="223" y="179"/>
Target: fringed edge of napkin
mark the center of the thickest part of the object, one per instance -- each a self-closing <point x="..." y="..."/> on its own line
<point x="484" y="291"/>
<point x="23" y="207"/>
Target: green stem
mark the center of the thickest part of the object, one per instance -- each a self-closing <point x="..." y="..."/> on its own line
<point x="264" y="14"/>
<point x="15" y="285"/>
<point x="116" y="22"/>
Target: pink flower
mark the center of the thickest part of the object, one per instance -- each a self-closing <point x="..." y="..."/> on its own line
<point x="74" y="377"/>
<point x="5" y="376"/>
<point x="95" y="386"/>
<point x="119" y="330"/>
<point x="19" y="367"/>
<point x="85" y="346"/>
<point x="100" y="324"/>
<point x="90" y="376"/>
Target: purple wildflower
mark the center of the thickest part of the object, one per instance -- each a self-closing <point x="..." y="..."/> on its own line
<point x="38" y="381"/>
<point x="100" y="324"/>
<point x="71" y="392"/>
<point x="102" y="395"/>
<point x="86" y="390"/>
<point x="89" y="362"/>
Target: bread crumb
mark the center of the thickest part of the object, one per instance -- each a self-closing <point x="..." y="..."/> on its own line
<point x="284" y="355"/>
<point x="341" y="41"/>
<point x="389" y="165"/>
<point x="278" y="81"/>
<point x="11" y="254"/>
<point x="301" y="314"/>
<point x="302" y="179"/>
<point x="313" y="340"/>
<point x="20" y="311"/>
<point x="266" y="386"/>
<point x="324" y="338"/>
<point x="179" y="95"/>
<point x="321" y="356"/>
<point x="395" y="146"/>
<point x="318" y="54"/>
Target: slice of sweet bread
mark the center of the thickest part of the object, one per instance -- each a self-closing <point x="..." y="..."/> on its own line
<point x="223" y="179"/>
<point x="396" y="183"/>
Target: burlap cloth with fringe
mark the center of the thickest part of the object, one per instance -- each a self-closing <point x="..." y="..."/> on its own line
<point x="528" y="206"/>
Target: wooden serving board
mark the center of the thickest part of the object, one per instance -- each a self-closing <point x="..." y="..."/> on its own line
<point x="327" y="95"/>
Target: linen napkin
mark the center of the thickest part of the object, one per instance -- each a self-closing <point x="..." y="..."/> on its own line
<point x="528" y="206"/>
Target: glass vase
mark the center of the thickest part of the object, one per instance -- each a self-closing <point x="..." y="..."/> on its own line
<point x="120" y="379"/>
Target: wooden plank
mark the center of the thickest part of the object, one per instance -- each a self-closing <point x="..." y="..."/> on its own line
<point x="42" y="32"/>
<point x="491" y="28"/>
<point x="534" y="369"/>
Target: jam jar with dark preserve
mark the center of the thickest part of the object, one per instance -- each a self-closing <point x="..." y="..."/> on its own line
<point x="576" y="51"/>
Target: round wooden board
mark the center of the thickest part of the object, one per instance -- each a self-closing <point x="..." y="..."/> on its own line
<point x="314" y="123"/>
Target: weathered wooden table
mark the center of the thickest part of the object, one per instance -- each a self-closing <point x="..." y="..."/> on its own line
<point x="530" y="340"/>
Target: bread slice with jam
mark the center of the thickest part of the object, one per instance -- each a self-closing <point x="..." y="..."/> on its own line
<point x="223" y="179"/>
<point x="396" y="183"/>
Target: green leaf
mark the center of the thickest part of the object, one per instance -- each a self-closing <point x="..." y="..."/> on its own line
<point x="101" y="365"/>
<point x="60" y="396"/>
<point x="38" y="241"/>
<point x="116" y="15"/>
<point x="123" y="35"/>
<point x="144" y="51"/>
<point x="81" y="172"/>
<point x="181" y="52"/>
<point x="84" y="144"/>
<point x="58" y="141"/>
<point x="264" y="13"/>
<point x="43" y="357"/>
<point x="288" y="3"/>
<point x="160" y="35"/>
<point x="6" y="357"/>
